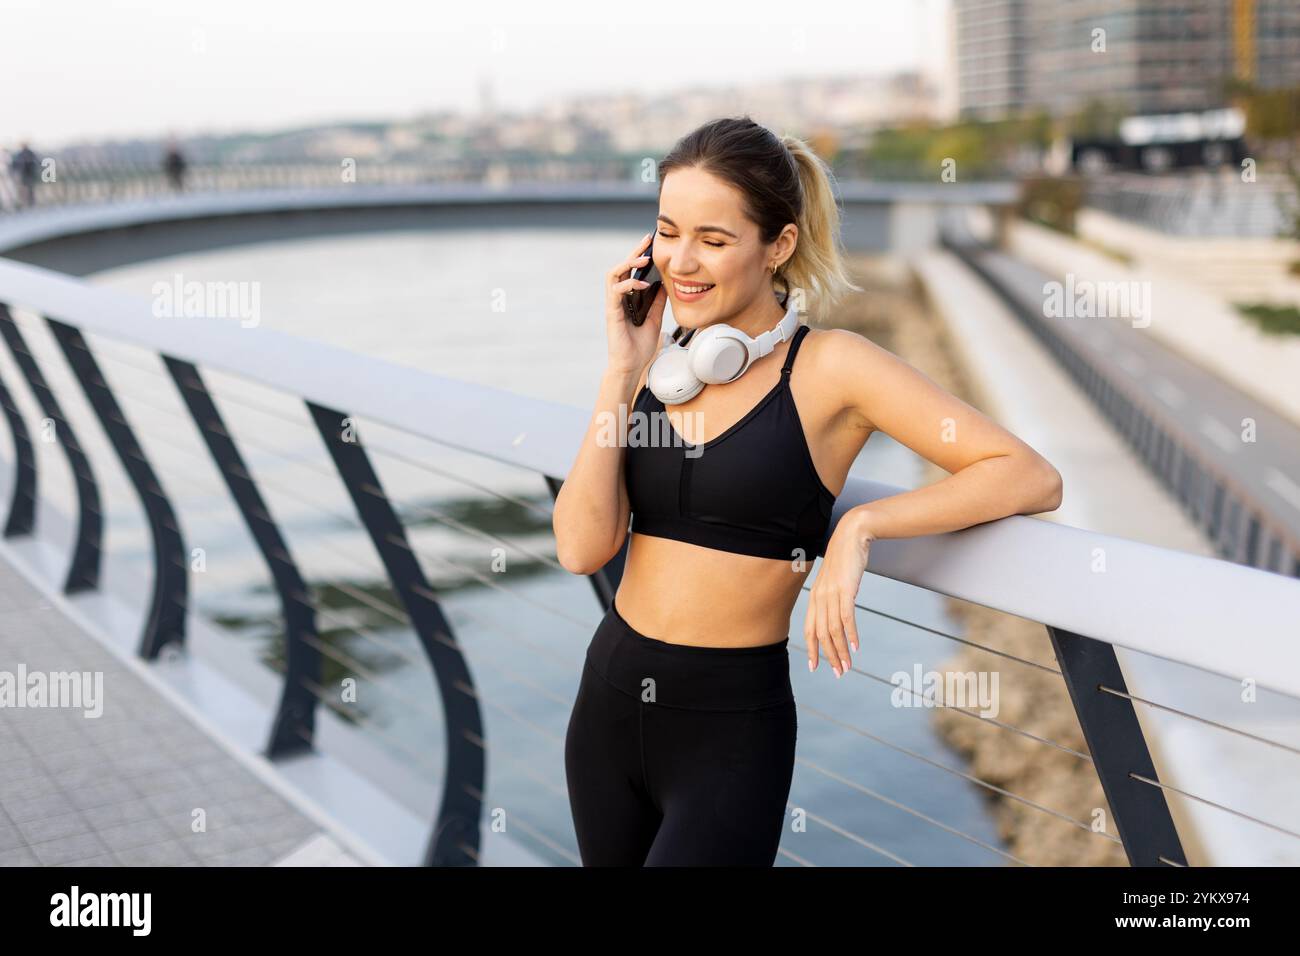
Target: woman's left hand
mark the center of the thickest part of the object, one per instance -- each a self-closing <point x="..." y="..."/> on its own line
<point x="830" y="626"/>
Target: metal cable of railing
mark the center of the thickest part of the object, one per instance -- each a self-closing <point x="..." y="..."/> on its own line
<point x="383" y="737"/>
<point x="532" y="829"/>
<point x="850" y="835"/>
<point x="960" y="640"/>
<point x="959" y="773"/>
<point x="1209" y="723"/>
<point x="853" y="668"/>
<point x="875" y="795"/>
<point x="1210" y="803"/>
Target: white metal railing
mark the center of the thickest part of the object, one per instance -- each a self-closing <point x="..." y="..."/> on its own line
<point x="1203" y="204"/>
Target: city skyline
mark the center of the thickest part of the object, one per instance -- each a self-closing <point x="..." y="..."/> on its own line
<point x="154" y="69"/>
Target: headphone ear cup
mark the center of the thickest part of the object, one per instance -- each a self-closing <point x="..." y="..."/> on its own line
<point x="718" y="355"/>
<point x="670" y="377"/>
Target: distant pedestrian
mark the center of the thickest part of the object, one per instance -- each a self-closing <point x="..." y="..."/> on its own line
<point x="174" y="166"/>
<point x="25" y="168"/>
<point x="8" y="195"/>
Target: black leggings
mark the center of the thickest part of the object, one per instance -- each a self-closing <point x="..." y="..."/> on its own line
<point x="678" y="755"/>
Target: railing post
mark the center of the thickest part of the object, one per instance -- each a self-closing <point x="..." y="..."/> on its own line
<point x="294" y="726"/>
<point x="22" y="506"/>
<point x="83" y="570"/>
<point x="169" y="601"/>
<point x="455" y="838"/>
<point x="1114" y="736"/>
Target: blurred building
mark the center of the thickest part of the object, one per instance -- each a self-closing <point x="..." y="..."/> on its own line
<point x="1143" y="56"/>
<point x="991" y="50"/>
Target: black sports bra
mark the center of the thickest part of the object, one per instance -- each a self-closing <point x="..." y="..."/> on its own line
<point x="751" y="490"/>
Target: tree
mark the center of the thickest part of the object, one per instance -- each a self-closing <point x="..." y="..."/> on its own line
<point x="1096" y="119"/>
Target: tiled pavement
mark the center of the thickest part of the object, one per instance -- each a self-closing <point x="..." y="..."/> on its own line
<point x="125" y="788"/>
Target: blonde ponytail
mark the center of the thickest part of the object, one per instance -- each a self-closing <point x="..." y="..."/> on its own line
<point x="817" y="264"/>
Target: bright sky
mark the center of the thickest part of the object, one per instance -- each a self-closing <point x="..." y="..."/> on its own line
<point x="73" y="69"/>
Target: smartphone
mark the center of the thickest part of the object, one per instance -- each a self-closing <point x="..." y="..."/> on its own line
<point x="637" y="302"/>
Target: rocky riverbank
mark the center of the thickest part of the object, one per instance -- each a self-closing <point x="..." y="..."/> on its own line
<point x="893" y="312"/>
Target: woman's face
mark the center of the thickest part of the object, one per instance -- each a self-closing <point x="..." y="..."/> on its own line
<point x="703" y="239"/>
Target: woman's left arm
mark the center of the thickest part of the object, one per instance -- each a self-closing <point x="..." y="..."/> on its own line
<point x="992" y="474"/>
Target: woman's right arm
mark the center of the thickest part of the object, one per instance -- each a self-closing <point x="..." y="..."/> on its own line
<point x="591" y="513"/>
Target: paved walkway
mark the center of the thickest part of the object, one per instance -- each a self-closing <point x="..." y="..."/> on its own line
<point x="123" y="778"/>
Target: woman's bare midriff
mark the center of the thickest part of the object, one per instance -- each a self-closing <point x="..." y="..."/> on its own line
<point x="687" y="594"/>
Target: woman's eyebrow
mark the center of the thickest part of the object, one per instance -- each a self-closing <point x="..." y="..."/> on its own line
<point x="725" y="232"/>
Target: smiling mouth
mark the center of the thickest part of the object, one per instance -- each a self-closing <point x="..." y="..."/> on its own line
<point x="691" y="289"/>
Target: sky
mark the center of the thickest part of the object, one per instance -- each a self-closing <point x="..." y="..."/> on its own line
<point x="92" y="69"/>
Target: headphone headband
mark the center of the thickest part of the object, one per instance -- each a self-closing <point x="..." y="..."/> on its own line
<point x="675" y="374"/>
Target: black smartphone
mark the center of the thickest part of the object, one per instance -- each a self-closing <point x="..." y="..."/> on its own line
<point x="637" y="302"/>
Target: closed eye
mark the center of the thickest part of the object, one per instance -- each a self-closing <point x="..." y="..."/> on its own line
<point x="706" y="242"/>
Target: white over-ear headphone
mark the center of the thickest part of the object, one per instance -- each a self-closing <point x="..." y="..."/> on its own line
<point x="716" y="354"/>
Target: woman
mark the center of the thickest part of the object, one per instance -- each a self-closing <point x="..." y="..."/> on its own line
<point x="680" y="746"/>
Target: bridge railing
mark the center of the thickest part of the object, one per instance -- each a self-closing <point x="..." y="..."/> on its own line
<point x="75" y="182"/>
<point x="1198" y="204"/>
<point x="1094" y="594"/>
<point x="69" y="182"/>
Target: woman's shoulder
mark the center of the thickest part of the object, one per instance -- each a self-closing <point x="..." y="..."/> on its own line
<point x="835" y="348"/>
<point x="841" y="361"/>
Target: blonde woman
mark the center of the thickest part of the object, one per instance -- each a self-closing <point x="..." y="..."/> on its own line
<point x="680" y="746"/>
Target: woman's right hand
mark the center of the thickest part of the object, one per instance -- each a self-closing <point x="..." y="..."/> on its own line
<point x="631" y="346"/>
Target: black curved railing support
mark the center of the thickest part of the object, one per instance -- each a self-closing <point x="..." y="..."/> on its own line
<point x="83" y="569"/>
<point x="455" y="839"/>
<point x="294" y="726"/>
<point x="22" y="505"/>
<point x="169" y="600"/>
